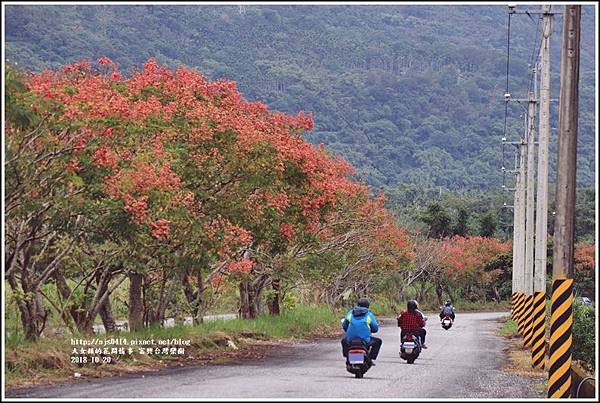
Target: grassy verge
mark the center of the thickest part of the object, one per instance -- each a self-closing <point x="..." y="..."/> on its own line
<point x="50" y="359"/>
<point x="519" y="357"/>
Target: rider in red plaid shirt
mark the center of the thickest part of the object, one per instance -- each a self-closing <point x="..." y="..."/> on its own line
<point x="411" y="322"/>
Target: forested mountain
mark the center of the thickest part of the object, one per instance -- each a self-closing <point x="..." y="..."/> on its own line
<point x="407" y="94"/>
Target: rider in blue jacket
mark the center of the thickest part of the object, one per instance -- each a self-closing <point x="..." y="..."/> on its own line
<point x="360" y="322"/>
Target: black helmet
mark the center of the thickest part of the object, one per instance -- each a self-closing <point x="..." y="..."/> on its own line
<point x="411" y="305"/>
<point x="448" y="303"/>
<point x="364" y="302"/>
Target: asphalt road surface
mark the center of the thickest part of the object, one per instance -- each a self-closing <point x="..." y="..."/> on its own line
<point x="463" y="362"/>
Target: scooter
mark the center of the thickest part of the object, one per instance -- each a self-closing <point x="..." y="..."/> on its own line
<point x="410" y="348"/>
<point x="447" y="322"/>
<point x="358" y="361"/>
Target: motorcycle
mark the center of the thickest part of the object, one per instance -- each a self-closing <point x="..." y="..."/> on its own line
<point x="447" y="322"/>
<point x="358" y="361"/>
<point x="410" y="348"/>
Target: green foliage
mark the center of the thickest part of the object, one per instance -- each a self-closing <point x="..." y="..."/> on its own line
<point x="585" y="217"/>
<point x="509" y="327"/>
<point x="438" y="220"/>
<point x="416" y="100"/>
<point x="487" y="224"/>
<point x="461" y="227"/>
<point x="584" y="334"/>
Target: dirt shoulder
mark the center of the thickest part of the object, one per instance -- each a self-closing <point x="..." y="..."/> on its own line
<point x="518" y="357"/>
<point x="51" y="364"/>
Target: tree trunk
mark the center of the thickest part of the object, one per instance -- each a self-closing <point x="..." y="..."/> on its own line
<point x="252" y="303"/>
<point x="256" y="290"/>
<point x="107" y="317"/>
<point x="496" y="294"/>
<point x="400" y="297"/>
<point x="136" y="313"/>
<point x="244" y="310"/>
<point x="194" y="297"/>
<point x="275" y="301"/>
<point x="439" y="292"/>
<point x="99" y="305"/>
<point x="156" y="313"/>
<point x="421" y="293"/>
<point x="199" y="303"/>
<point x="65" y="292"/>
<point x="33" y="315"/>
<point x="451" y="294"/>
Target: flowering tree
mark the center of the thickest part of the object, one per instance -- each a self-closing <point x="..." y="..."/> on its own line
<point x="585" y="267"/>
<point x="467" y="264"/>
<point x="178" y="185"/>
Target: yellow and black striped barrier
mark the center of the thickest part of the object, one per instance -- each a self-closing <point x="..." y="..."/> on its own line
<point x="538" y="330"/>
<point x="561" y="339"/>
<point x="519" y="313"/>
<point x="513" y="304"/>
<point x="527" y="320"/>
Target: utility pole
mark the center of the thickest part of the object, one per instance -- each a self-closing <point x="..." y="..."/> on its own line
<point x="519" y="228"/>
<point x="561" y="322"/>
<point x="529" y="217"/>
<point x="541" y="219"/>
<point x="516" y="286"/>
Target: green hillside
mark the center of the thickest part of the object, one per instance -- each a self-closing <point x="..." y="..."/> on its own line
<point x="408" y="94"/>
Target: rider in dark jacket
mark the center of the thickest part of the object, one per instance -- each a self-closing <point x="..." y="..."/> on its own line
<point x="360" y="322"/>
<point x="447" y="310"/>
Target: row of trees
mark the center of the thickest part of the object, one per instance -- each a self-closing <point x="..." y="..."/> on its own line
<point x="174" y="188"/>
<point x="177" y="185"/>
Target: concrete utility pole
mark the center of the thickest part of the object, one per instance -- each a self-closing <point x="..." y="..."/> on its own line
<point x="519" y="225"/>
<point x="541" y="219"/>
<point x="518" y="236"/>
<point x="529" y="216"/>
<point x="561" y="321"/>
<point x="516" y="287"/>
<point x="541" y="238"/>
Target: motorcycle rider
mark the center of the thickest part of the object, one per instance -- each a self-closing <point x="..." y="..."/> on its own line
<point x="447" y="310"/>
<point x="360" y="322"/>
<point x="411" y="321"/>
<point x="419" y="312"/>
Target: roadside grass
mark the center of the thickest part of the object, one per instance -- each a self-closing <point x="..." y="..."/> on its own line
<point x="49" y="359"/>
<point x="385" y="308"/>
<point x="519" y="357"/>
<point x="509" y="328"/>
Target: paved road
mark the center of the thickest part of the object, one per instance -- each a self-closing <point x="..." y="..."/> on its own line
<point x="463" y="362"/>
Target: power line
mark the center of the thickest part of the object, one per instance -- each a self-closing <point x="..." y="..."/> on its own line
<point x="533" y="53"/>
<point x="506" y="97"/>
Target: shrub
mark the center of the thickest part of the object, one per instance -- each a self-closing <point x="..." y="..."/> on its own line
<point x="584" y="335"/>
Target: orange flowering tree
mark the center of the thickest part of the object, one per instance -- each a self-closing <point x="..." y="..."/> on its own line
<point x="195" y="184"/>
<point x="585" y="269"/>
<point x="469" y="265"/>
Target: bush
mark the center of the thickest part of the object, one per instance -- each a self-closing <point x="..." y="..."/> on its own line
<point x="584" y="335"/>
